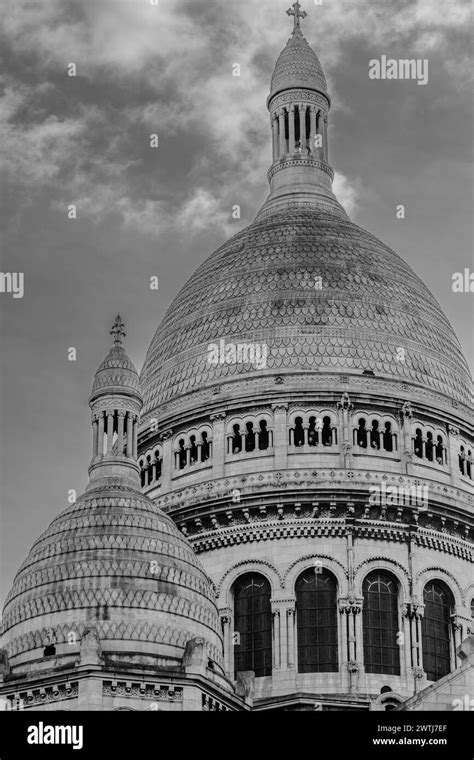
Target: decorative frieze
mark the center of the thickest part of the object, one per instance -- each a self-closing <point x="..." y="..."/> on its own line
<point x="153" y="692"/>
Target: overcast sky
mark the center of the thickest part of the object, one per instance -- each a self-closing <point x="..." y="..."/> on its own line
<point x="143" y="212"/>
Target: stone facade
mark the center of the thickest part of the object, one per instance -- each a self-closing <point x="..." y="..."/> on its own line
<point x="329" y="435"/>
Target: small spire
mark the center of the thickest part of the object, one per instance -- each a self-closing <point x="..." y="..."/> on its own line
<point x="118" y="330"/>
<point x="298" y="14"/>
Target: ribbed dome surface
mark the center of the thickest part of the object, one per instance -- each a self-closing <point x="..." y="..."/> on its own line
<point x="116" y="371"/>
<point x="93" y="565"/>
<point x="297" y="66"/>
<point x="260" y="287"/>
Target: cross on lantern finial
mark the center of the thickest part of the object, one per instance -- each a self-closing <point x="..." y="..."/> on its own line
<point x="297" y="13"/>
<point x="117" y="330"/>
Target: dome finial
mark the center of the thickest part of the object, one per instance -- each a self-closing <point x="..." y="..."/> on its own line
<point x="298" y="14"/>
<point x="118" y="330"/>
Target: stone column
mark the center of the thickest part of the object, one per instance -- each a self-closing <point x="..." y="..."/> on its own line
<point x="110" y="434"/>
<point x="326" y="146"/>
<point x="167" y="463"/>
<point x="120" y="431"/>
<point x="280" y="436"/>
<point x="406" y="659"/>
<point x="281" y="130"/>
<point x="129" y="452"/>
<point x="291" y="118"/>
<point x="276" y="637"/>
<point x="312" y="115"/>
<point x="290" y="616"/>
<point x="101" y="433"/>
<point x="95" y="436"/>
<point x="302" y="114"/>
<point x="218" y="444"/>
<point x="274" y="121"/>
<point x="135" y="437"/>
<point x="226" y="621"/>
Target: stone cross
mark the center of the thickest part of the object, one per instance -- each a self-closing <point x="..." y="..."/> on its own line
<point x="298" y="14"/>
<point x="118" y="330"/>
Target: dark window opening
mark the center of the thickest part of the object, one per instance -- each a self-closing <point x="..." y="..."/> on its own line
<point x="253" y="623"/>
<point x="236" y="440"/>
<point x="263" y="437"/>
<point x="316" y="609"/>
<point x="182" y="455"/>
<point x="429" y="447"/>
<point x="435" y="629"/>
<point x="193" y="450"/>
<point x="375" y="435"/>
<point x="204" y="447"/>
<point x="418" y="443"/>
<point x="49" y="650"/>
<point x="380" y="624"/>
<point x="326" y="432"/>
<point x="362" y="434"/>
<point x="299" y="432"/>
<point x="387" y="437"/>
<point x="250" y="437"/>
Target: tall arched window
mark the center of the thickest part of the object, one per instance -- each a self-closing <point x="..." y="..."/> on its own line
<point x="316" y="610"/>
<point x="253" y="624"/>
<point x="436" y="629"/>
<point x="380" y="624"/>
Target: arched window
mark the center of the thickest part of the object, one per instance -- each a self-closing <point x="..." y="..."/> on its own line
<point x="436" y="629"/>
<point x="326" y="432"/>
<point x="362" y="434"/>
<point x="236" y="439"/>
<point x="193" y="450"/>
<point x="182" y="455"/>
<point x="142" y="473"/>
<point x="429" y="445"/>
<point x="204" y="447"/>
<point x="380" y="624"/>
<point x="249" y="437"/>
<point x="299" y="432"/>
<point x="439" y="450"/>
<point x="316" y="610"/>
<point x="418" y="443"/>
<point x="253" y="624"/>
<point x="263" y="436"/>
<point x="375" y="435"/>
<point x="468" y="464"/>
<point x="312" y="432"/>
<point x="388" y="437"/>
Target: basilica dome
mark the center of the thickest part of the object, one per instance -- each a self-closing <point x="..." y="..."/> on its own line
<point x="262" y="287"/>
<point x="112" y="560"/>
<point x="115" y="561"/>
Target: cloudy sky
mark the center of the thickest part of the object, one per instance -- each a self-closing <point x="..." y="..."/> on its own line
<point x="166" y="69"/>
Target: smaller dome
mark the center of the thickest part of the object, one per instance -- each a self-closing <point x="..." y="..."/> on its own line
<point x="116" y="372"/>
<point x="298" y="66"/>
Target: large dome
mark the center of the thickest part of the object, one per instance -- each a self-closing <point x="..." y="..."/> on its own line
<point x="94" y="566"/>
<point x="261" y="287"/>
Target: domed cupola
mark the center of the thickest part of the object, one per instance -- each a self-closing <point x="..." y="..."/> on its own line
<point x="300" y="175"/>
<point x="298" y="65"/>
<point x="112" y="561"/>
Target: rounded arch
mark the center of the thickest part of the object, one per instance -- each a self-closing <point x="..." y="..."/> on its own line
<point x="389" y="566"/>
<point x="439" y="573"/>
<point x="302" y="564"/>
<point x="224" y="587"/>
